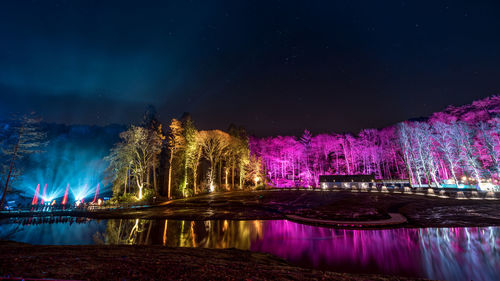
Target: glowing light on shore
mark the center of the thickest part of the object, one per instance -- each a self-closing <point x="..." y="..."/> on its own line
<point x="80" y="193"/>
<point x="140" y="194"/>
<point x="486" y="186"/>
<point x="256" y="180"/>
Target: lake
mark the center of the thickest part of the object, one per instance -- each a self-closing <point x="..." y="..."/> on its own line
<point x="461" y="253"/>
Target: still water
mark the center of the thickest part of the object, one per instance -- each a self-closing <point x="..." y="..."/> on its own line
<point x="471" y="253"/>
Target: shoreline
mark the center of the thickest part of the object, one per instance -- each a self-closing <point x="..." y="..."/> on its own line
<point x="394" y="220"/>
<point x="332" y="209"/>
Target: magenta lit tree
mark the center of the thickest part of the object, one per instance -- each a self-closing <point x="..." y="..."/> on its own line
<point x="455" y="144"/>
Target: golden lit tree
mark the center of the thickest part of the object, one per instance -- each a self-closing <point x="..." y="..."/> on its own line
<point x="193" y="152"/>
<point x="138" y="150"/>
<point x="176" y="142"/>
<point x="214" y="144"/>
<point x="151" y="122"/>
<point x="255" y="172"/>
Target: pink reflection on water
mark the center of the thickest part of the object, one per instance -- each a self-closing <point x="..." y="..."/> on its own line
<point x="390" y="251"/>
<point x="445" y="253"/>
<point x="436" y="253"/>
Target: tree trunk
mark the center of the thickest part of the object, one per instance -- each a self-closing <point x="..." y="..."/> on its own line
<point x="126" y="181"/>
<point x="154" y="179"/>
<point x="148" y="177"/>
<point x="140" y="185"/>
<point x="220" y="173"/>
<point x="232" y="175"/>
<point x="11" y="166"/>
<point x="184" y="184"/>
<point x="195" y="175"/>
<point x="170" y="172"/>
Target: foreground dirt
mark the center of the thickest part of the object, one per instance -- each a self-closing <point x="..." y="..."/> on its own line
<point x="153" y="263"/>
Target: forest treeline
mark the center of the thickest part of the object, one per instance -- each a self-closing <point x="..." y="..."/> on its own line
<point x="459" y="144"/>
<point x="180" y="160"/>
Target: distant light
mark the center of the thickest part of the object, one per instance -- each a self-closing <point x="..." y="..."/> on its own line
<point x="486" y="186"/>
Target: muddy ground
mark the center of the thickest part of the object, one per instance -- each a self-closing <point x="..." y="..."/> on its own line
<point x="420" y="210"/>
<point x="154" y="263"/>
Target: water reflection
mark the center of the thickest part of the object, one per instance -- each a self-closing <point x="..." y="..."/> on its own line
<point x="51" y="230"/>
<point x="435" y="253"/>
<point x="456" y="252"/>
<point x="174" y="233"/>
<point x="390" y="251"/>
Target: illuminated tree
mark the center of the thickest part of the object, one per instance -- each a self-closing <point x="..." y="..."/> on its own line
<point x="406" y="147"/>
<point x="238" y="154"/>
<point x="243" y="158"/>
<point x="214" y="145"/>
<point x="464" y="138"/>
<point x="22" y="137"/>
<point x="118" y="170"/>
<point x="151" y="123"/>
<point x="424" y="142"/>
<point x="192" y="153"/>
<point x="459" y="141"/>
<point x="233" y="156"/>
<point x="450" y="151"/>
<point x="254" y="171"/>
<point x="488" y="144"/>
<point x="138" y="149"/>
<point x="176" y="141"/>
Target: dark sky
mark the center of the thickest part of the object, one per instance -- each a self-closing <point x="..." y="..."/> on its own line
<point x="275" y="67"/>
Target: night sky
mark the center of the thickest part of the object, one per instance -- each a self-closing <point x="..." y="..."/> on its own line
<point x="275" y="67"/>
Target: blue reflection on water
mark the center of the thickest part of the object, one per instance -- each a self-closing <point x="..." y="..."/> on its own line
<point x="70" y="231"/>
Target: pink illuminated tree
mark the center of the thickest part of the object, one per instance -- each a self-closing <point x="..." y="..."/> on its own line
<point x="459" y="141"/>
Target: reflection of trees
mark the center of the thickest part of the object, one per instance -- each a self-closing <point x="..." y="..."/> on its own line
<point x="460" y="253"/>
<point x="123" y="231"/>
<point x="212" y="234"/>
<point x="174" y="233"/>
